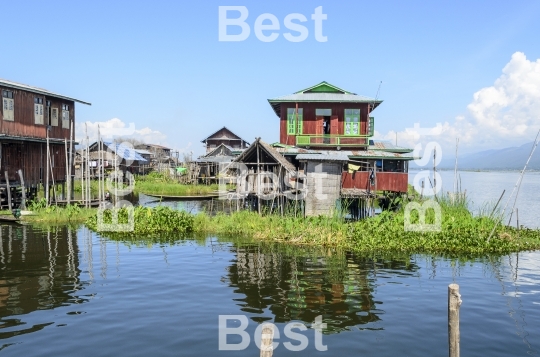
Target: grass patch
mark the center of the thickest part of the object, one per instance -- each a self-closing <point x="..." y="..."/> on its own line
<point x="55" y="215"/>
<point x="461" y="232"/>
<point x="174" y="189"/>
<point x="157" y="184"/>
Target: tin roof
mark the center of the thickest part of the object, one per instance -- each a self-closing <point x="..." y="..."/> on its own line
<point x="125" y="152"/>
<point x="272" y="152"/>
<point x="322" y="92"/>
<point x="380" y="150"/>
<point x="379" y="154"/>
<point x="223" y="137"/>
<point x="215" y="159"/>
<point x="387" y="146"/>
<point x="37" y="90"/>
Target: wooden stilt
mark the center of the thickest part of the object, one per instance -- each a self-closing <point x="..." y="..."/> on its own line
<point x="8" y="188"/>
<point x="454" y="303"/>
<point x="47" y="169"/>
<point x="23" y="192"/>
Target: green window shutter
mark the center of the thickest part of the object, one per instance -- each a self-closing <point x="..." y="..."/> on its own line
<point x="291" y="123"/>
<point x="352" y="122"/>
<point x="371" y="126"/>
<point x="300" y="123"/>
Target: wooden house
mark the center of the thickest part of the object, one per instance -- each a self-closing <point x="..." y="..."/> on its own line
<point x="327" y="120"/>
<point x="126" y="158"/>
<point x="226" y="137"/>
<point x="325" y="116"/>
<point x="28" y="116"/>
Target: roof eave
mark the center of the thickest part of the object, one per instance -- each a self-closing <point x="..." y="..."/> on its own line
<point x="42" y="92"/>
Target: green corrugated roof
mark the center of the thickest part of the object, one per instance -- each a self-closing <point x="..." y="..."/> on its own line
<point x="324" y="87"/>
<point x="323" y="92"/>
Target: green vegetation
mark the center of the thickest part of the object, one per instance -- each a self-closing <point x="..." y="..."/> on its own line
<point x="161" y="184"/>
<point x="56" y="214"/>
<point x="94" y="189"/>
<point x="149" y="220"/>
<point x="461" y="232"/>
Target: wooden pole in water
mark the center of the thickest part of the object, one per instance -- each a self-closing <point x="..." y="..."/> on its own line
<point x="267" y="337"/>
<point x="8" y="188"/>
<point x="70" y="183"/>
<point x="23" y="192"/>
<point x="88" y="192"/>
<point x="517" y="185"/>
<point x="52" y="178"/>
<point x="454" y="303"/>
<point x="98" y="166"/>
<point x="434" y="169"/>
<point x="455" y="169"/>
<point x="67" y="167"/>
<point x="517" y="219"/>
<point x="47" y="170"/>
<point x="258" y="180"/>
<point x="500" y="198"/>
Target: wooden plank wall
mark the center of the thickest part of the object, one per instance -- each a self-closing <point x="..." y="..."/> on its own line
<point x="386" y="181"/>
<point x="31" y="159"/>
<point x="310" y="120"/>
<point x="24" y="124"/>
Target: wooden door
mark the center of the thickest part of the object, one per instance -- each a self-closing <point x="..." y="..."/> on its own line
<point x="319" y="125"/>
<point x="334" y="127"/>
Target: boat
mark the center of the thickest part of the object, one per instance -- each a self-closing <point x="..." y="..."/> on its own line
<point x="7" y="218"/>
<point x="183" y="198"/>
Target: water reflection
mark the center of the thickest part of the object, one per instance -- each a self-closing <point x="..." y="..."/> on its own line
<point x="171" y="290"/>
<point x="38" y="271"/>
<point x="301" y="284"/>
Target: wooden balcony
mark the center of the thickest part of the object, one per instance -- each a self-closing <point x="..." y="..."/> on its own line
<point x="385" y="181"/>
<point x="332" y="140"/>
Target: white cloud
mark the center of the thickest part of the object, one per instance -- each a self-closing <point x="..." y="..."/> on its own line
<point x="117" y="128"/>
<point x="504" y="114"/>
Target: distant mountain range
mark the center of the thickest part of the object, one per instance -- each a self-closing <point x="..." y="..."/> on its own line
<point x="513" y="158"/>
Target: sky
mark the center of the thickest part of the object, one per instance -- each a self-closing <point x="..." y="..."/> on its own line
<point x="158" y="70"/>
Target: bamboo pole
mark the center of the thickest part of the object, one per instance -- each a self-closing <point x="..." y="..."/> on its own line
<point x="454" y="303"/>
<point x="494" y="208"/>
<point x="258" y="179"/>
<point x="67" y="166"/>
<point x="102" y="170"/>
<point x="517" y="185"/>
<point x="70" y="183"/>
<point x="434" y="169"/>
<point x="98" y="166"/>
<point x="52" y="178"/>
<point x="47" y="170"/>
<point x="23" y="192"/>
<point x="87" y="182"/>
<point x="8" y="188"/>
<point x="455" y="169"/>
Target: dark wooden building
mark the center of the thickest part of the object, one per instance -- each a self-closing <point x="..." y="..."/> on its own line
<point x="28" y="116"/>
<point x="226" y="137"/>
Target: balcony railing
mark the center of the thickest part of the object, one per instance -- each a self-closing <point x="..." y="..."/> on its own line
<point x="332" y="140"/>
<point x="338" y="140"/>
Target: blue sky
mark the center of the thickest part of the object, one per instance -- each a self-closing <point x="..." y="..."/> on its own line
<point x="160" y="65"/>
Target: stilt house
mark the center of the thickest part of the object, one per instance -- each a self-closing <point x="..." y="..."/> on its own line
<point x="28" y="116"/>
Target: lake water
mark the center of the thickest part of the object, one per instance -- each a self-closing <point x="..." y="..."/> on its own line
<point x="487" y="187"/>
<point x="70" y="292"/>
